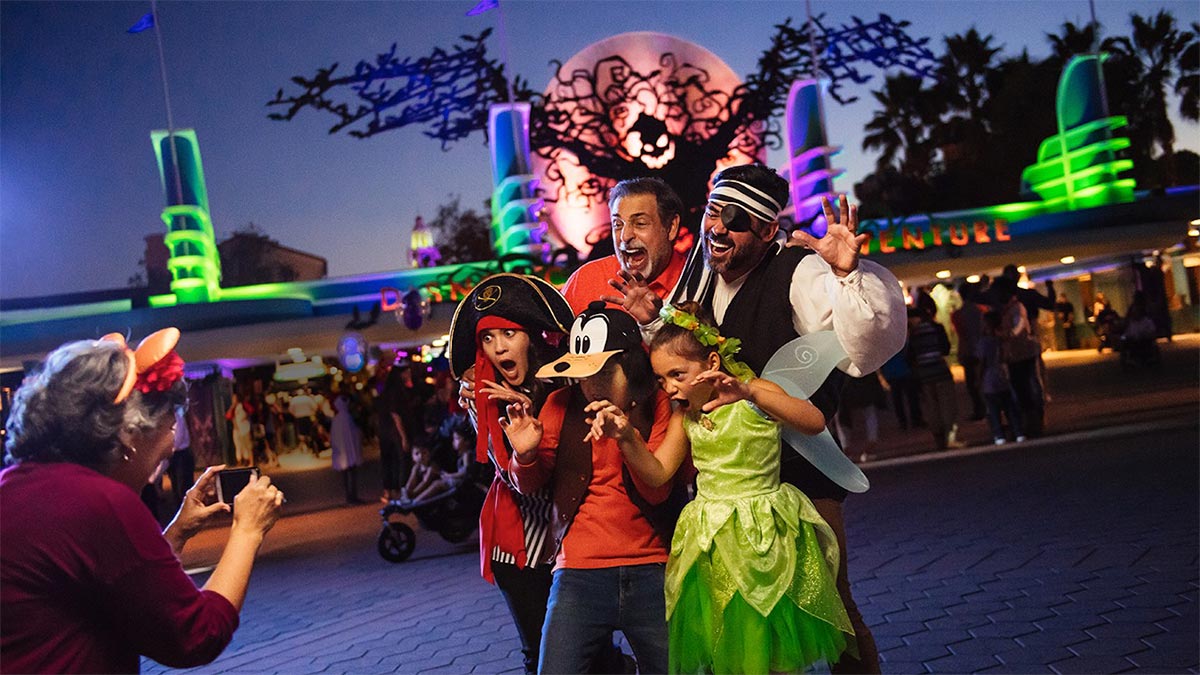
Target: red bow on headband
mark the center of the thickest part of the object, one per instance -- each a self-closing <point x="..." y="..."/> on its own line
<point x="153" y="366"/>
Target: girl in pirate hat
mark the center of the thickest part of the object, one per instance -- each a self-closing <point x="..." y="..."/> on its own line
<point x="503" y="331"/>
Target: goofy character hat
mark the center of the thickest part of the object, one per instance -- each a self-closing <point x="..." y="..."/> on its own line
<point x="597" y="334"/>
<point x="515" y="301"/>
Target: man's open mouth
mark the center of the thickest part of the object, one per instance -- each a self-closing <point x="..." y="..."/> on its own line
<point x="634" y="257"/>
<point x="717" y="247"/>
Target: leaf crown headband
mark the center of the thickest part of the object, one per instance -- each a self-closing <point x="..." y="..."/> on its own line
<point x="727" y="347"/>
<point x="153" y="366"/>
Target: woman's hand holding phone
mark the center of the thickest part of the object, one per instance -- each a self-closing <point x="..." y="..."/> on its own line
<point x="199" y="506"/>
<point x="257" y="506"/>
<point x="255" y="510"/>
<point x="200" y="502"/>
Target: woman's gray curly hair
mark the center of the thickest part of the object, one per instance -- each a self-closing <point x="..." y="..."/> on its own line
<point x="65" y="411"/>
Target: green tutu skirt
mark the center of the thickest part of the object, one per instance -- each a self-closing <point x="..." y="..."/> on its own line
<point x="751" y="587"/>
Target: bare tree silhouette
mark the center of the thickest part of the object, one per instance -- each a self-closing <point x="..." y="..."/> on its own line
<point x="587" y="114"/>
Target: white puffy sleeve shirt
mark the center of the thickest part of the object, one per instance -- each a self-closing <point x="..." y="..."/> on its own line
<point x="865" y="308"/>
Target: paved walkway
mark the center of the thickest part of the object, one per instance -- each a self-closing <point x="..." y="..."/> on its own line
<point x="1076" y="557"/>
<point x="1068" y="555"/>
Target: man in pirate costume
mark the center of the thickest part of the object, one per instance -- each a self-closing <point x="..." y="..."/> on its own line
<point x="767" y="292"/>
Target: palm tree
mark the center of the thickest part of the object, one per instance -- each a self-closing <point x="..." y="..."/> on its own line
<point x="1150" y="58"/>
<point x="1072" y="40"/>
<point x="901" y="129"/>
<point x="963" y="71"/>
<point x="966" y="74"/>
<point x="1188" y="84"/>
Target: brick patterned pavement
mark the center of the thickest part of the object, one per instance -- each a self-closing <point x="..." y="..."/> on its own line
<point x="1068" y="555"/>
<point x="1075" y="559"/>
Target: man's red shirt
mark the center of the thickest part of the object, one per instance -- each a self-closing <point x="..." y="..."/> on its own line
<point x="590" y="281"/>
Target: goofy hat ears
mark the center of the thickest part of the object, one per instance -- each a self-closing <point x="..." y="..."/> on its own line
<point x="519" y="298"/>
<point x="596" y="335"/>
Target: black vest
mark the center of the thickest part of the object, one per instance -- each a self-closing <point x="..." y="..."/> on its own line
<point x="760" y="315"/>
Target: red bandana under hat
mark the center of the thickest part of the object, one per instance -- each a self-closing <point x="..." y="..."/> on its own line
<point x="486" y="411"/>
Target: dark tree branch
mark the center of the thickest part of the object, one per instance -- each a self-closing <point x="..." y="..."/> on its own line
<point x="590" y="115"/>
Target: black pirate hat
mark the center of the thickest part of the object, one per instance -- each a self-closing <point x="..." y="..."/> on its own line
<point x="522" y="299"/>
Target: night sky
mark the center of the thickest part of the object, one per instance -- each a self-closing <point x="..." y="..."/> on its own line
<point x="79" y="187"/>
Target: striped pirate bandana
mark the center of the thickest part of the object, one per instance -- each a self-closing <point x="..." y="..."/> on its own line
<point x="758" y="203"/>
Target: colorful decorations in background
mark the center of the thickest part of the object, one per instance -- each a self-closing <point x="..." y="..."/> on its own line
<point x="451" y="283"/>
<point x="394" y="92"/>
<point x="646" y="104"/>
<point x="631" y="105"/>
<point x="352" y="352"/>
<point x="809" y="167"/>
<point x="143" y="24"/>
<point x="919" y="233"/>
<point x="516" y="228"/>
<point x="422" y="249"/>
<point x="195" y="264"/>
<point x="300" y="368"/>
<point x="1078" y="167"/>
<point x="882" y="43"/>
<point x="411" y="308"/>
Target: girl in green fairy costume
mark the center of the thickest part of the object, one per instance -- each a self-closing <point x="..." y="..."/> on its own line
<point x="750" y="580"/>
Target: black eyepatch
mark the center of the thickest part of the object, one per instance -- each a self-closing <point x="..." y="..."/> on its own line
<point x="735" y="218"/>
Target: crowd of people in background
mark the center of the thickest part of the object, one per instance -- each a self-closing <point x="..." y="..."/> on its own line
<point x="996" y="330"/>
<point x="408" y="409"/>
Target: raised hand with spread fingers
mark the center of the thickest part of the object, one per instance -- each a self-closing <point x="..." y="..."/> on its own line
<point x="842" y="243"/>
<point x="502" y="393"/>
<point x="726" y="388"/>
<point x="636" y="297"/>
<point x="524" y="431"/>
<point x="608" y="420"/>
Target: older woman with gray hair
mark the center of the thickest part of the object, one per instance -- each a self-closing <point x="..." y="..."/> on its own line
<point x="88" y="583"/>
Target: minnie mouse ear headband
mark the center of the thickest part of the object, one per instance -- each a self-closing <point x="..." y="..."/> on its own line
<point x="153" y="366"/>
<point x="520" y="299"/>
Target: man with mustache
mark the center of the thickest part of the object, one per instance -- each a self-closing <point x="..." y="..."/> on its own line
<point x="767" y="292"/>
<point x="645" y="223"/>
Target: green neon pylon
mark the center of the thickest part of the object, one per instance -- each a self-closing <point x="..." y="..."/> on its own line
<point x="1079" y="166"/>
<point x="195" y="263"/>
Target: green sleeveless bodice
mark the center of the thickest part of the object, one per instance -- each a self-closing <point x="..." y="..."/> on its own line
<point x="738" y="456"/>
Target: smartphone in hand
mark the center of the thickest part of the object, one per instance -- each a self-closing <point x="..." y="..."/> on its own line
<point x="231" y="481"/>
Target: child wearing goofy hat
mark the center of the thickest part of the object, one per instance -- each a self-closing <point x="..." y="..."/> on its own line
<point x="610" y="529"/>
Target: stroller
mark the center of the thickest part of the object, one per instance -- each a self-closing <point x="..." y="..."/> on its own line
<point x="454" y="515"/>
